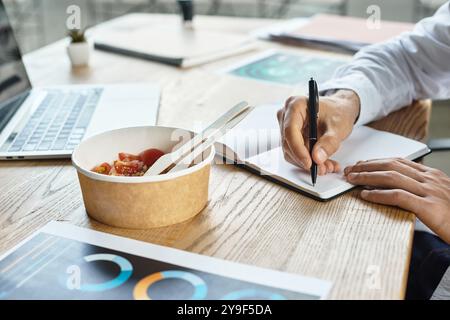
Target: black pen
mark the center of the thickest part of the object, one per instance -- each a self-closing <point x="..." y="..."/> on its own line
<point x="313" y="110"/>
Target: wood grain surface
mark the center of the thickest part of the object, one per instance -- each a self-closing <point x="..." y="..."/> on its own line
<point x="364" y="249"/>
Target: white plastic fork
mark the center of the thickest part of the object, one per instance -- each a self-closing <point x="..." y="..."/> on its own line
<point x="189" y="151"/>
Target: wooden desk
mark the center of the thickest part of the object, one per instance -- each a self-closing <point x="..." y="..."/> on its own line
<point x="363" y="248"/>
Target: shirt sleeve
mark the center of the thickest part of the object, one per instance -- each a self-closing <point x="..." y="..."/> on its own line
<point x="390" y="75"/>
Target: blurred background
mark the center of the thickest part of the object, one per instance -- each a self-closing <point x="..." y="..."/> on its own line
<point x="40" y="22"/>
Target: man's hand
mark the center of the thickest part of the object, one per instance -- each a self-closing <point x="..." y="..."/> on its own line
<point x="408" y="185"/>
<point x="337" y="114"/>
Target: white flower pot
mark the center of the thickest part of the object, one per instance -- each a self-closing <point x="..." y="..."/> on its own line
<point x="79" y="53"/>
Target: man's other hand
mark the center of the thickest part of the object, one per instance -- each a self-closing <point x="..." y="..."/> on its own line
<point x="414" y="187"/>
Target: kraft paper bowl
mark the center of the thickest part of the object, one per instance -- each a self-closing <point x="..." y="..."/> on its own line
<point x="140" y="202"/>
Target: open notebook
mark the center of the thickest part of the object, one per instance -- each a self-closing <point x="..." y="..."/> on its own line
<point x="255" y="144"/>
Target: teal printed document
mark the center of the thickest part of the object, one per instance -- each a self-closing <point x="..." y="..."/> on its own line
<point x="287" y="68"/>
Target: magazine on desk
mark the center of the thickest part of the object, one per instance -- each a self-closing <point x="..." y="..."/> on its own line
<point x="255" y="144"/>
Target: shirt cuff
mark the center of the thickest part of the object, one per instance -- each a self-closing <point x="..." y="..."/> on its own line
<point x="370" y="100"/>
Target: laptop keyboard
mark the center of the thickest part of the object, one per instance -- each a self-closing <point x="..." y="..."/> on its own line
<point x="59" y="122"/>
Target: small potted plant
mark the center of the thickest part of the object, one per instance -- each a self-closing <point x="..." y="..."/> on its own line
<point x="78" y="50"/>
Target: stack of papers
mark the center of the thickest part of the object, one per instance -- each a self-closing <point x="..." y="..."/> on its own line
<point x="339" y="33"/>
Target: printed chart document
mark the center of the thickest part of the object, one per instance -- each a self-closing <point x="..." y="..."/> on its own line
<point x="285" y="67"/>
<point x="255" y="144"/>
<point x="62" y="261"/>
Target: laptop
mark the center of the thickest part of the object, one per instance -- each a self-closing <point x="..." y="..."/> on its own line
<point x="42" y="123"/>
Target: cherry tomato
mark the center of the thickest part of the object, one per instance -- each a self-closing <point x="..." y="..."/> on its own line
<point x="104" y="168"/>
<point x="128" y="168"/>
<point x="150" y="156"/>
<point x="123" y="156"/>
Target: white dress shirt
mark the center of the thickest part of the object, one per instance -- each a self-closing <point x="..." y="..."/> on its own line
<point x="390" y="75"/>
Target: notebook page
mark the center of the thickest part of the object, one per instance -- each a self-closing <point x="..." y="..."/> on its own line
<point x="363" y="144"/>
<point x="255" y="134"/>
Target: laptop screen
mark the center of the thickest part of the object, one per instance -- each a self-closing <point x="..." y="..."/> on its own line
<point x="14" y="82"/>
